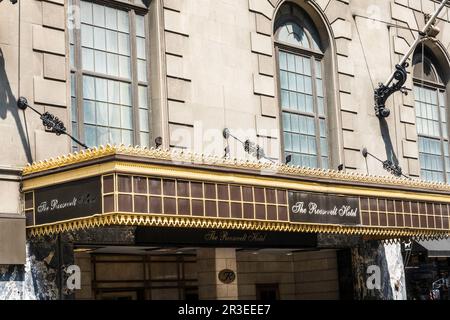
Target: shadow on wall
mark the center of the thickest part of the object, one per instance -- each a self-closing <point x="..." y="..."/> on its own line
<point x="390" y="152"/>
<point x="8" y="103"/>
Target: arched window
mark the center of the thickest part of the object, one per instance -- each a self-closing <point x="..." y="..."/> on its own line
<point x="302" y="92"/>
<point x="431" y="114"/>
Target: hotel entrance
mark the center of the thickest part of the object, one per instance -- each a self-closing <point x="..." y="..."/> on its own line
<point x="126" y="273"/>
<point x="150" y="273"/>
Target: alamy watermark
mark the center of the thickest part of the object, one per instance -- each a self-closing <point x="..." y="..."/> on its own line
<point x="373" y="281"/>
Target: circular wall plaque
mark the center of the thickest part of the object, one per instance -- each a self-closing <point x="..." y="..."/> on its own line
<point x="227" y="276"/>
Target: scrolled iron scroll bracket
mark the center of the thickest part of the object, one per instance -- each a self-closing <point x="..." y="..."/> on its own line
<point x="383" y="92"/>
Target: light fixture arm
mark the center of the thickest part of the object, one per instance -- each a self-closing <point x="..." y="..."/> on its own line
<point x="384" y="91"/>
<point x="388" y="165"/>
<point x="250" y="147"/>
<point x="50" y="122"/>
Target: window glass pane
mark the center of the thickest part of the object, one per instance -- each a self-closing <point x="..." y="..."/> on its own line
<point x="127" y="137"/>
<point x="90" y="135"/>
<point x="319" y="88"/>
<point x="287" y="142"/>
<point x="72" y="85"/>
<point x="293" y="100"/>
<point x="284" y="80"/>
<point x="309" y="104"/>
<point x="311" y="126"/>
<point x="143" y="98"/>
<point x="87" y="56"/>
<point x="87" y="36"/>
<point x="124" y="67"/>
<point x="123" y="23"/>
<point x="124" y="44"/>
<point x="102" y="114"/>
<point x="125" y="94"/>
<point x="101" y="89"/>
<point x="99" y="15"/>
<point x="312" y="145"/>
<point x="145" y="139"/>
<point x="324" y="146"/>
<point x="292" y="82"/>
<point x="111" y="41"/>
<point x="321" y="106"/>
<point x="99" y="38"/>
<point x="143" y="120"/>
<point x="75" y="130"/>
<point x="308" y="85"/>
<point x="86" y="12"/>
<point x="115" y="136"/>
<point x="296" y="143"/>
<point x="89" y="88"/>
<point x="140" y="44"/>
<point x="102" y="136"/>
<point x="299" y="64"/>
<point x="283" y="60"/>
<point x="142" y="71"/>
<point x="307" y="66"/>
<point x="301" y="102"/>
<point x="114" y="115"/>
<point x="300" y="83"/>
<point x="127" y="118"/>
<point x="113" y="91"/>
<point x="304" y="144"/>
<point x="295" y="126"/>
<point x="318" y="66"/>
<point x="89" y="112"/>
<point x="293" y="34"/>
<point x="140" y="29"/>
<point x="323" y="128"/>
<point x="111" y="18"/>
<point x="113" y="64"/>
<point x="285" y="99"/>
<point x="100" y="61"/>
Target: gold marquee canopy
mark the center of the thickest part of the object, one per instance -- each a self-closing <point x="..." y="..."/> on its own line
<point x="118" y="185"/>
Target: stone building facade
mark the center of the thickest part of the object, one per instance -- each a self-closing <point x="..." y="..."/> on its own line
<point x="296" y="77"/>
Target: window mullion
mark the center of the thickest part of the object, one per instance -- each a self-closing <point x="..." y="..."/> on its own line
<point x="79" y="77"/>
<point x="134" y="75"/>
<point x="147" y="55"/>
<point x="316" y="112"/>
<point x="437" y="92"/>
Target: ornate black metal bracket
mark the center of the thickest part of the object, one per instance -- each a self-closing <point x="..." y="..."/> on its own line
<point x="50" y="122"/>
<point x="383" y="92"/>
<point x="250" y="147"/>
<point x="389" y="166"/>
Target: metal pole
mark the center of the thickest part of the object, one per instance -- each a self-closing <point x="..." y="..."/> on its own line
<point x="419" y="39"/>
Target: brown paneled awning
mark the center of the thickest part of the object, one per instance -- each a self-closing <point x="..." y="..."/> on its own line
<point x="156" y="188"/>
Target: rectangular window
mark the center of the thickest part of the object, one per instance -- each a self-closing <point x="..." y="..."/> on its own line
<point x="108" y="55"/>
<point x="304" y="111"/>
<point x="431" y="116"/>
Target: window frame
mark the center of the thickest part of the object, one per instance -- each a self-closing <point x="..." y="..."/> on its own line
<point x="437" y="88"/>
<point x="314" y="56"/>
<point x="78" y="71"/>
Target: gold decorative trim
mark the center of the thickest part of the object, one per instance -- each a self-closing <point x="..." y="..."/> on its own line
<point x="268" y="169"/>
<point x="199" y="174"/>
<point x="205" y="223"/>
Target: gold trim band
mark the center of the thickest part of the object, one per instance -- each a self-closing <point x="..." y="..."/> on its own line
<point x="174" y="157"/>
<point x="204" y="223"/>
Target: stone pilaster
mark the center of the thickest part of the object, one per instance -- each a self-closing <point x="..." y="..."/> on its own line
<point x="210" y="262"/>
